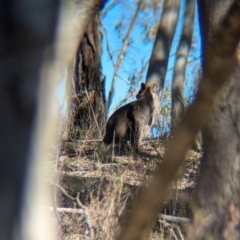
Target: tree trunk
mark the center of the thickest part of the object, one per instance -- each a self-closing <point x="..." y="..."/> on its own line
<point x="27" y="29"/>
<point x="159" y="59"/>
<point x="217" y="214"/>
<point x="89" y="111"/>
<point x="181" y="63"/>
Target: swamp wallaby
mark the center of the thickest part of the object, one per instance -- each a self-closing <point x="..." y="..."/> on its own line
<point x="128" y="122"/>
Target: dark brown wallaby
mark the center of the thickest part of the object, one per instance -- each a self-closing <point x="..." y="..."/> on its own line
<point x="127" y="123"/>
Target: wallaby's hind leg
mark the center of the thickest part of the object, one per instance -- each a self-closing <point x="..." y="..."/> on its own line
<point x="135" y="138"/>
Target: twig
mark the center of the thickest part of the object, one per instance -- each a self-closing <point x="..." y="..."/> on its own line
<point x="188" y="62"/>
<point x="64" y="192"/>
<point x="83" y="211"/>
<point x="126" y="81"/>
<point x="66" y="210"/>
<point x="108" y="46"/>
<point x="88" y="222"/>
<point x="122" y="101"/>
<point x="173" y="233"/>
<point x="55" y="207"/>
<point x="106" y="9"/>
<point x="91" y="140"/>
<point x="140" y="73"/>
<point x="79" y="202"/>
<point x="174" y="219"/>
<point x="180" y="233"/>
<point x="164" y="223"/>
<point x="122" y="53"/>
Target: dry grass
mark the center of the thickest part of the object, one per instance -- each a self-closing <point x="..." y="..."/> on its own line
<point x="102" y="183"/>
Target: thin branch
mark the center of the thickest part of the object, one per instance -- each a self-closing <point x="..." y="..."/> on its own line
<point x="64" y="192"/>
<point x="189" y="61"/>
<point x="180" y="233"/>
<point x="126" y="81"/>
<point x="108" y="45"/>
<point x="140" y="73"/>
<point x="121" y="102"/>
<point x="174" y="219"/>
<point x="107" y="8"/>
<point x="66" y="210"/>
<point x="131" y="94"/>
<point x="86" y="216"/>
<point x="79" y="202"/>
<point x="83" y="209"/>
<point x="55" y="207"/>
<point x="122" y="53"/>
<point x="88" y="222"/>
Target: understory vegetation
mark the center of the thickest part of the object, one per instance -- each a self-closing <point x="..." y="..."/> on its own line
<point x="95" y="186"/>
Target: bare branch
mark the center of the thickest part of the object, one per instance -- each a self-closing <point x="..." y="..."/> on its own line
<point x="79" y="202"/>
<point x="173" y="219"/>
<point x="122" y="53"/>
<point x="123" y="100"/>
<point x="107" y="43"/>
<point x="55" y="206"/>
<point x="107" y="8"/>
<point x="124" y="80"/>
<point x="64" y="192"/>
<point x="66" y="210"/>
<point x="83" y="209"/>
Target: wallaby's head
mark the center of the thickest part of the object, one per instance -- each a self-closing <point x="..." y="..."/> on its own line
<point x="146" y="89"/>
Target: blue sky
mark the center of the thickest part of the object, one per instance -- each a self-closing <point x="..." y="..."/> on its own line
<point x="140" y="51"/>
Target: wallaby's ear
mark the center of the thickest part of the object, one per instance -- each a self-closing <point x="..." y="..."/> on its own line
<point x="141" y="91"/>
<point x="143" y="86"/>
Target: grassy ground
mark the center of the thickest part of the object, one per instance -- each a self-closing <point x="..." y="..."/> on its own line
<point x="94" y="188"/>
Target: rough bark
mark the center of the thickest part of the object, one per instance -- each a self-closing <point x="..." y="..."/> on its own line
<point x="217" y="214"/>
<point x="159" y="59"/>
<point x="89" y="106"/>
<point x="181" y="63"/>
